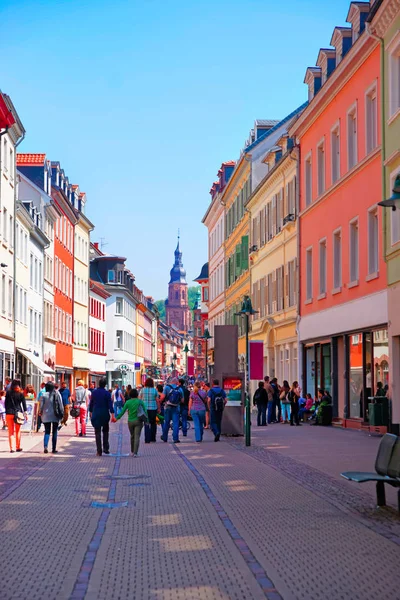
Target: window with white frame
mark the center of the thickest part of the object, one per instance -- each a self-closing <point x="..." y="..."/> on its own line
<point x="308" y="180"/>
<point x="393" y="50"/>
<point x="373" y="241"/>
<point x="337" y="259"/>
<point x="371" y="120"/>
<point x="335" y="153"/>
<point x="352" y="137"/>
<point x="353" y="249"/>
<point x="309" y="268"/>
<point x="321" y="167"/>
<point x="322" y="267"/>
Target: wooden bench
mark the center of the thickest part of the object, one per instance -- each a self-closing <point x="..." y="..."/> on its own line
<point x="387" y="469"/>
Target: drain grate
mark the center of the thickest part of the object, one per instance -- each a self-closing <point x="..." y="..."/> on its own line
<point x="126" y="476"/>
<point x="117" y="455"/>
<point x="109" y="504"/>
<point x="137" y="484"/>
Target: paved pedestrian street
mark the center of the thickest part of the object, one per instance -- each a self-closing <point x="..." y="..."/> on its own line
<point x="197" y="521"/>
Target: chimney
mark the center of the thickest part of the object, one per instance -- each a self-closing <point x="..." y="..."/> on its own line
<point x="96" y="245"/>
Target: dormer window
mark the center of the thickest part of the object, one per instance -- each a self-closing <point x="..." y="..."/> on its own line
<point x="313" y="80"/>
<point x="357" y="15"/>
<point x="342" y="40"/>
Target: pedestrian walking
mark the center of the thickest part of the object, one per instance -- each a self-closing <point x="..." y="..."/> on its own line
<point x="118" y="400"/>
<point x="206" y="387"/>
<point x="51" y="410"/>
<point x="217" y="401"/>
<point x="285" y="389"/>
<point x="294" y="397"/>
<point x="149" y="395"/>
<point x="184" y="406"/>
<point x="260" y="399"/>
<point x="100" y="410"/>
<point x="16" y="414"/>
<point x="197" y="410"/>
<point x="65" y="394"/>
<point x="3" y="409"/>
<point x="79" y="403"/>
<point x="137" y="415"/>
<point x="173" y="396"/>
<point x="160" y="389"/>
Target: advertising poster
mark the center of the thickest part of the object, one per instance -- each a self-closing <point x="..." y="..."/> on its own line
<point x="256" y="360"/>
<point x="233" y="389"/>
<point x="31" y="409"/>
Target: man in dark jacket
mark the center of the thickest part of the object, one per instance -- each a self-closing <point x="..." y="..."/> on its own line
<point x="260" y="399"/>
<point x="217" y="401"/>
<point x="184" y="406"/>
<point x="100" y="409"/>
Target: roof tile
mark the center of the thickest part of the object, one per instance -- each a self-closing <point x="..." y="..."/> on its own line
<point x="30" y="159"/>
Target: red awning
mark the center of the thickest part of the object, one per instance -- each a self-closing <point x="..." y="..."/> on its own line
<point x="6" y="116"/>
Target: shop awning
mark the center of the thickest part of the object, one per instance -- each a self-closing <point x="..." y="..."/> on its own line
<point x="35" y="360"/>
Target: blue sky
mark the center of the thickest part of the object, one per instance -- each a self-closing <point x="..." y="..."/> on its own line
<point x="141" y="101"/>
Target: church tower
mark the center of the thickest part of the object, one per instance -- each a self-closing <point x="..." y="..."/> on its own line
<point x="177" y="311"/>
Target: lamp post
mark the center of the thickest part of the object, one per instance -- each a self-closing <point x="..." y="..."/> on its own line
<point x="206" y="336"/>
<point x="394" y="201"/>
<point x="186" y="350"/>
<point x="246" y="311"/>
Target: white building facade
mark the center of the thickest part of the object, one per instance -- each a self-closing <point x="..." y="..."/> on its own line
<point x="11" y="133"/>
<point x="97" y="331"/>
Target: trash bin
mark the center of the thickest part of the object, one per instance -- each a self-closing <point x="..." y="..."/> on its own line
<point x="375" y="414"/>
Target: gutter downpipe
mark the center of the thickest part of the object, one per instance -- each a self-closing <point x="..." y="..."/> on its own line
<point x="383" y="133"/>
<point x="14" y="244"/>
<point x="297" y="209"/>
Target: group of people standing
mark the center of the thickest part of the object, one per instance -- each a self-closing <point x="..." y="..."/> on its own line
<point x="285" y="404"/>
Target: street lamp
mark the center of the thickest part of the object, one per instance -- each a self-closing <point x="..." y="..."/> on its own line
<point x="186" y="350"/>
<point x="246" y="311"/>
<point x="394" y="201"/>
<point x="206" y="336"/>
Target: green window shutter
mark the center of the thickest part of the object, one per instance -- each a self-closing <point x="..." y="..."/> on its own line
<point x="231" y="269"/>
<point x="245" y="252"/>
<point x="238" y="261"/>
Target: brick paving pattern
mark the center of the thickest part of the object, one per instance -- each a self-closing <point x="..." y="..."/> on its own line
<point x="210" y="521"/>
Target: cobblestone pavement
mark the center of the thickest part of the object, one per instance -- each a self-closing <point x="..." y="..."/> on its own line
<point x="202" y="521"/>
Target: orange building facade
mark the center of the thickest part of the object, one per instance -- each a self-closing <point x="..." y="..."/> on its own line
<point x="342" y="296"/>
<point x="64" y="287"/>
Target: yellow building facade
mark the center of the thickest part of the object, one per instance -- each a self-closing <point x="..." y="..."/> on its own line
<point x="236" y="245"/>
<point x="272" y="276"/>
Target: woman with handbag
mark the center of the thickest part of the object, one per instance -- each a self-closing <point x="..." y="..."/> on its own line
<point x="15" y="413"/>
<point x="51" y="411"/>
<point x="137" y="416"/>
<point x="197" y="409"/>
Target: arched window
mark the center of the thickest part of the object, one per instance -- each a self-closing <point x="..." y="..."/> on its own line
<point x="199" y="350"/>
<point x="183" y="294"/>
<point x="176" y="295"/>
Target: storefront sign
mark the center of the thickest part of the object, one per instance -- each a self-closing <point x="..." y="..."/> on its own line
<point x="137" y="366"/>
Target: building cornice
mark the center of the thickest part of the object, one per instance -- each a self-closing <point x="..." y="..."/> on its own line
<point x="384" y="17"/>
<point x="343" y="73"/>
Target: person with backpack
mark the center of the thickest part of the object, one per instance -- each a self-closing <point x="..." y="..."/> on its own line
<point x="184" y="406"/>
<point x="197" y="410"/>
<point x="260" y="399"/>
<point x="173" y="396"/>
<point x="216" y="402"/>
<point x="100" y="410"/>
<point x="294" y="397"/>
<point x="51" y="410"/>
